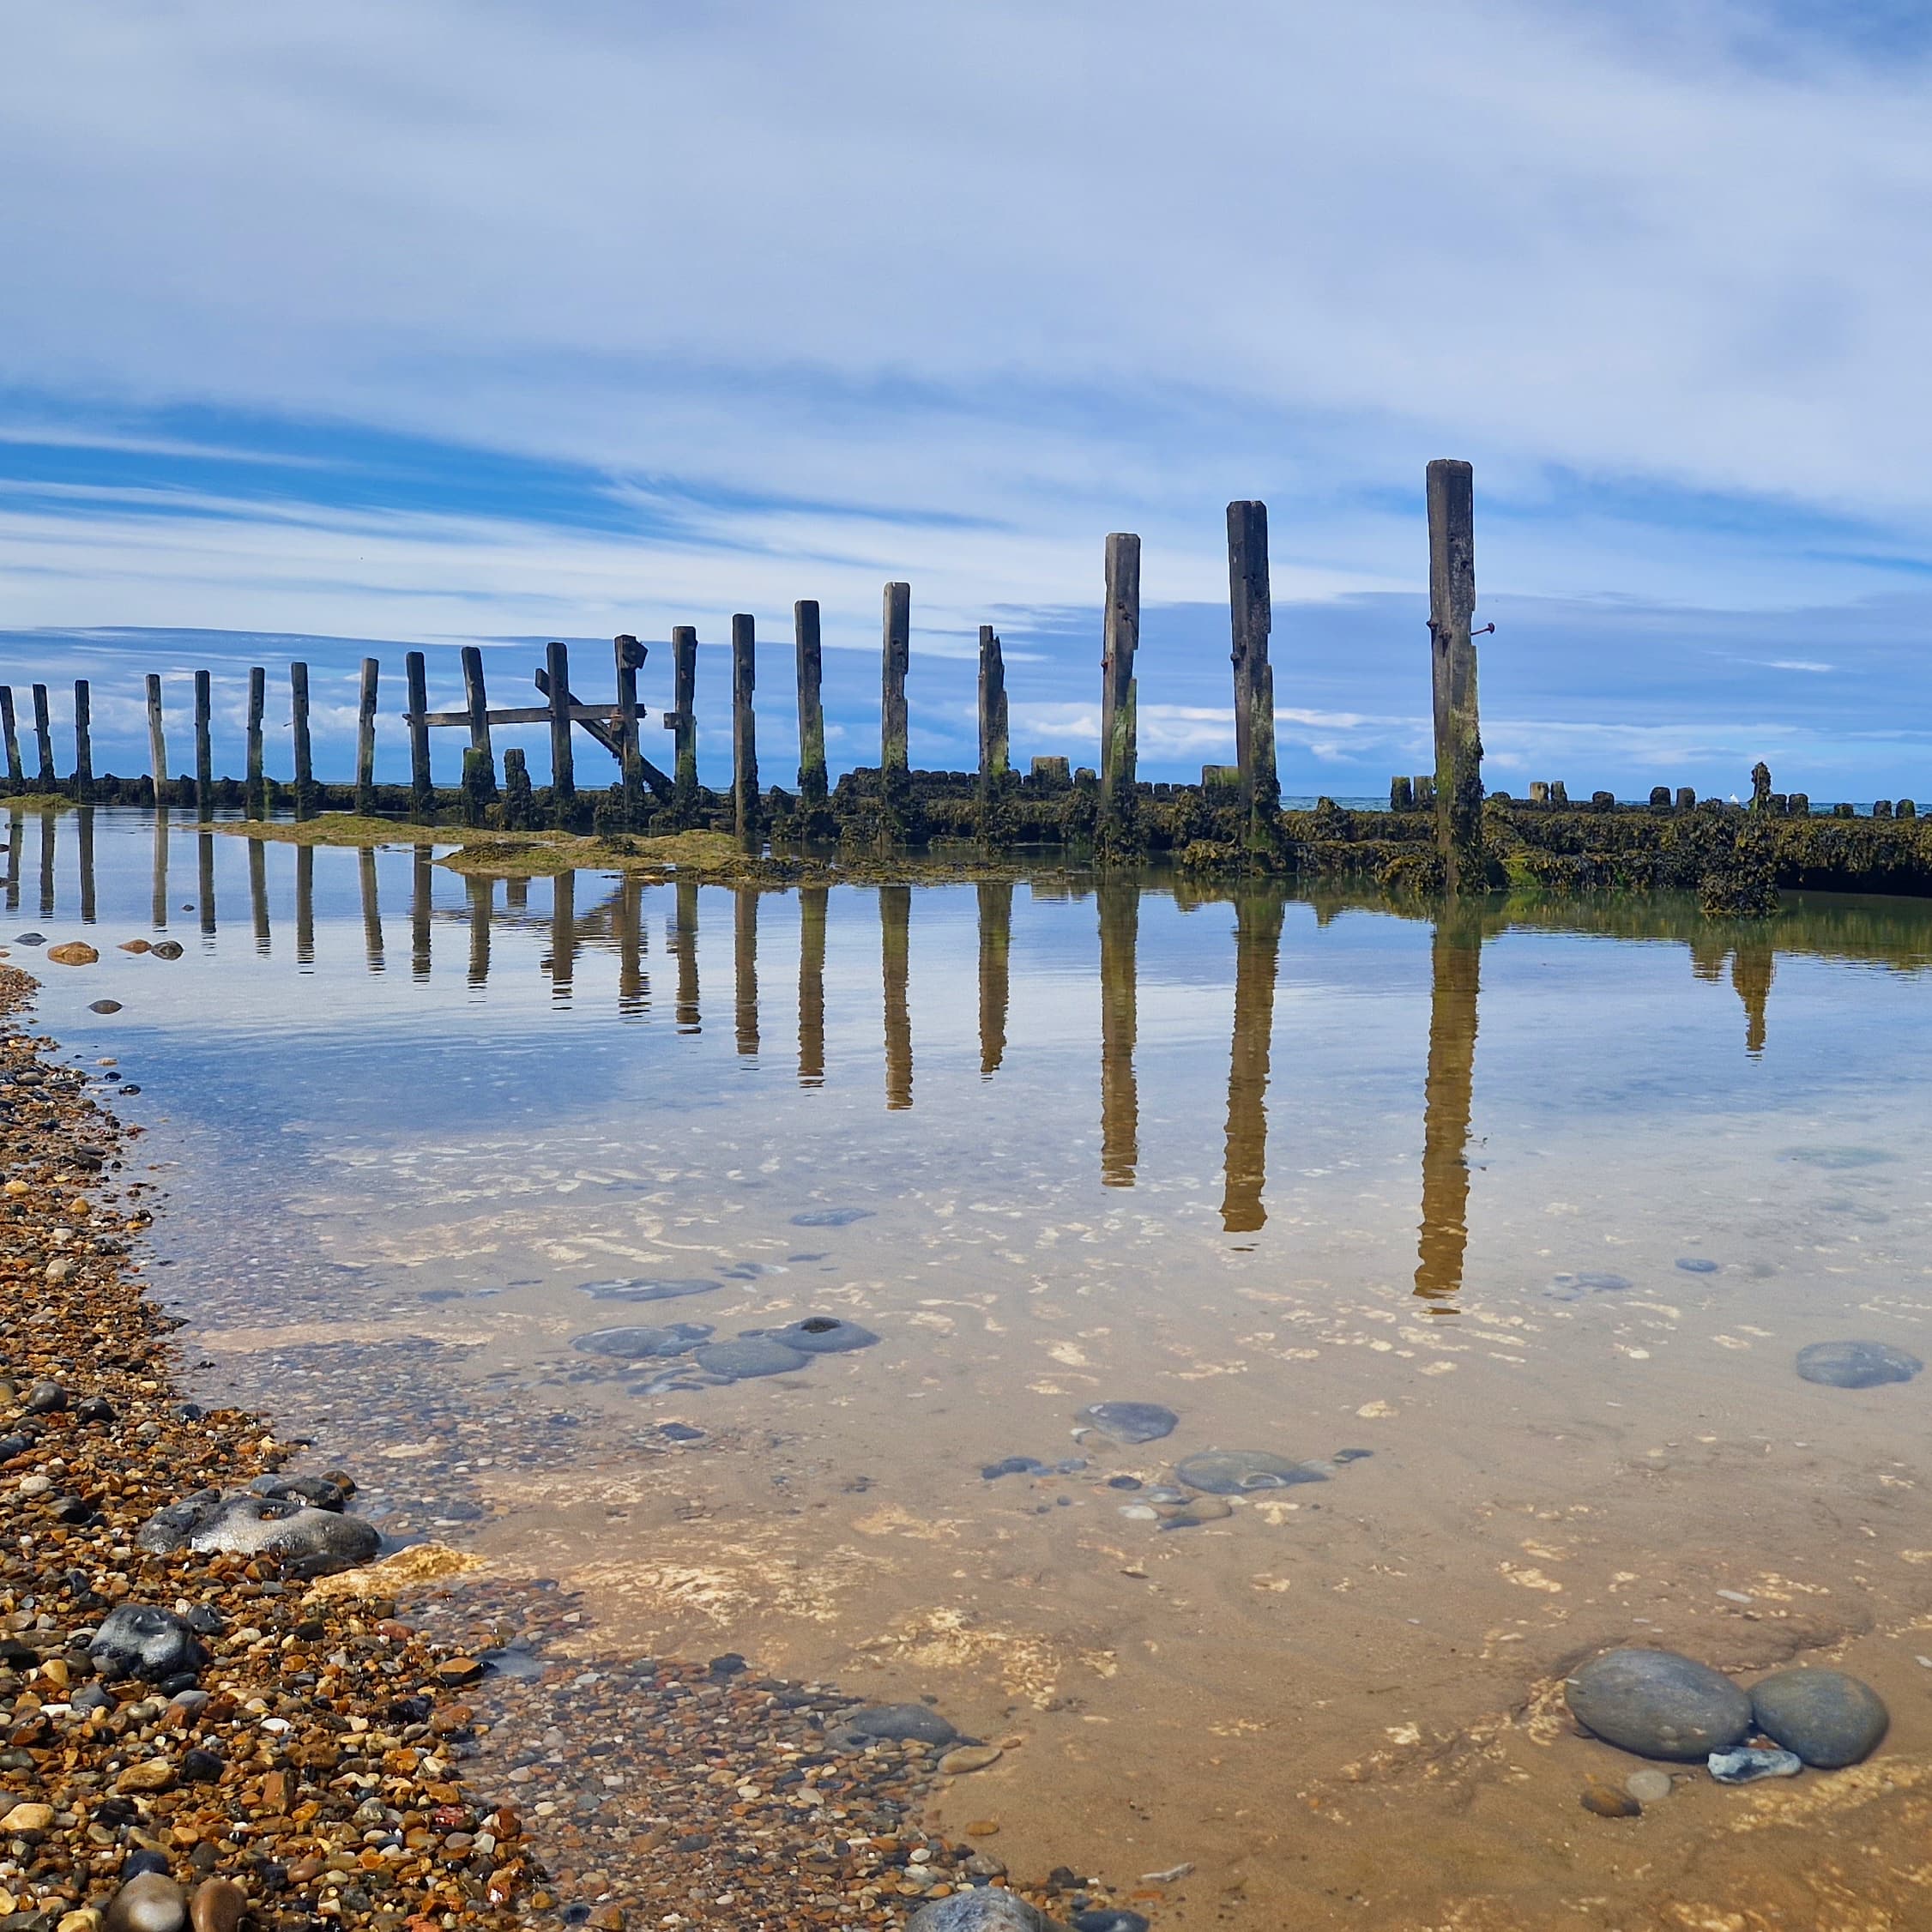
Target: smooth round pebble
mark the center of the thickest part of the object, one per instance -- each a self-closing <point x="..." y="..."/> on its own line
<point x="969" y="1757"/>
<point x="1658" y="1704"/>
<point x="1855" y="1365"/>
<point x="1696" y="1265"/>
<point x="105" y="1006"/>
<point x="631" y="1344"/>
<point x="1233" y="1472"/>
<point x="1830" y="1720"/>
<point x="653" y="1289"/>
<point x="918" y="1721"/>
<point x="1606" y="1801"/>
<point x="824" y="1335"/>
<point x="750" y="1355"/>
<point x="830" y="1217"/>
<point x="149" y="1902"/>
<point x="1130" y="1422"/>
<point x="1649" y="1787"/>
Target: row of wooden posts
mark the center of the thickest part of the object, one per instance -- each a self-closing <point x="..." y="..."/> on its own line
<point x="1458" y="782"/>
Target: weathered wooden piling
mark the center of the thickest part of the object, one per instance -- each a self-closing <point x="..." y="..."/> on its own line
<point x="895" y="655"/>
<point x="995" y="758"/>
<point x="1458" y="738"/>
<point x="563" y="761"/>
<point x="745" y="968"/>
<point x="1402" y="796"/>
<point x="1455" y="975"/>
<point x="1118" y="904"/>
<point x="254" y="802"/>
<point x="629" y="655"/>
<point x="1258" y="933"/>
<point x="365" y="736"/>
<point x="743" y="725"/>
<point x="812" y="787"/>
<point x="894" y="922"/>
<point x="415" y="679"/>
<point x="204" y="747"/>
<point x="996" y="942"/>
<point x="519" y="795"/>
<point x="812" y="903"/>
<point x="83" y="742"/>
<point x="1251" y="615"/>
<point x="44" y="780"/>
<point x="682" y="719"/>
<point x="15" y="773"/>
<point x="476" y="702"/>
<point x="304" y="749"/>
<point x="1118" y="693"/>
<point x="157" y="738"/>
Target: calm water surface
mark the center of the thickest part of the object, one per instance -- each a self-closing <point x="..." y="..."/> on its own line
<point x="1535" y="1208"/>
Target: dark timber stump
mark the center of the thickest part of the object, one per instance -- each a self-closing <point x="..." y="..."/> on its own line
<point x="365" y="737"/>
<point x="257" y="699"/>
<point x="416" y="690"/>
<point x="811" y="706"/>
<point x="683" y="720"/>
<point x="995" y="759"/>
<point x="299" y="726"/>
<point x="204" y="747"/>
<point x="157" y="738"/>
<point x="83" y="743"/>
<point x="15" y="773"/>
<point x="895" y="783"/>
<point x="1459" y="739"/>
<point x="743" y="725"/>
<point x="43" y="741"/>
<point x="1253" y="618"/>
<point x="1118" y="693"/>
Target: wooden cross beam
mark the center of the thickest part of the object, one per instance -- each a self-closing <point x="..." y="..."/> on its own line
<point x="597" y="721"/>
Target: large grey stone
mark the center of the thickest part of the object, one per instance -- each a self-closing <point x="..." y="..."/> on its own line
<point x="1658" y="1705"/>
<point x="750" y="1355"/>
<point x="143" y="1641"/>
<point x="918" y="1721"/>
<point x="1130" y="1422"/>
<point x="1234" y="1472"/>
<point x="1829" y="1718"/>
<point x="824" y="1335"/>
<point x="986" y="1909"/>
<point x="1855" y="1365"/>
<point x="245" y="1524"/>
<point x="631" y="1344"/>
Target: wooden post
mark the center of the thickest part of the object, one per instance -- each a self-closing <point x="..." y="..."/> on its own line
<point x="15" y="774"/>
<point x="683" y="720"/>
<point x="366" y="738"/>
<point x="299" y="729"/>
<point x="812" y="901"/>
<point x="157" y="740"/>
<point x="1458" y="738"/>
<point x="745" y="968"/>
<point x="1118" y="691"/>
<point x="562" y="762"/>
<point x="630" y="656"/>
<point x="83" y="743"/>
<point x="895" y="654"/>
<point x="476" y="700"/>
<point x="995" y="764"/>
<point x="43" y="741"/>
<point x="257" y="697"/>
<point x="416" y="690"/>
<point x="1252" y="612"/>
<point x="204" y="749"/>
<point x="811" y="706"/>
<point x="744" y="726"/>
<point x="895" y="918"/>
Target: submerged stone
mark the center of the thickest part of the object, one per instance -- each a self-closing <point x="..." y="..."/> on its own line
<point x="1837" y="1158"/>
<point x="1855" y="1365"/>
<point x="1829" y="1718"/>
<point x="1753" y="1762"/>
<point x="629" y="1344"/>
<point x="902" y="1723"/>
<point x="1649" y="1787"/>
<point x="984" y="1909"/>
<point x="824" y="1334"/>
<point x="649" y="1289"/>
<point x="1130" y="1422"/>
<point x="1697" y="1265"/>
<point x="830" y="1217"/>
<point x="166" y="949"/>
<point x="749" y="1356"/>
<point x="1658" y="1704"/>
<point x="1233" y="1472"/>
<point x="1573" y="1287"/>
<point x="1109" y="1918"/>
<point x="1013" y="1466"/>
<point x="105" y="1006"/>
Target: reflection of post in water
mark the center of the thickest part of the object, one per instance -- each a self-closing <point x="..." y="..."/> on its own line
<point x="996" y="940"/>
<point x="1119" y="1098"/>
<point x="517" y="896"/>
<point x="17" y="840"/>
<point x="305" y="905"/>
<point x="1455" y="966"/>
<point x="204" y="863"/>
<point x="47" y="831"/>
<point x="258" y="890"/>
<point x="83" y="834"/>
<point x="1258" y="938"/>
<point x="1752" y="966"/>
<point x="745" y="966"/>
<point x="811" y="986"/>
<point x="563" y="937"/>
<point x="371" y="908"/>
<point x="421" y="880"/>
<point x="894" y="922"/>
<point x="157" y="903"/>
<point x="633" y="989"/>
<point x="684" y="949"/>
<point x="482" y="891"/>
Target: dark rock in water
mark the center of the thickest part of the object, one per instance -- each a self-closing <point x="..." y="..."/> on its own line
<point x="246" y="1525"/>
<point x="631" y="1344"/>
<point x="1837" y="1158"/>
<point x="1697" y="1265"/>
<point x="1573" y="1287"/>
<point x="1351" y="1455"/>
<point x="900" y="1722"/>
<point x="1658" y="1705"/>
<point x="1855" y="1365"/>
<point x="1130" y="1422"/>
<point x="1231" y="1472"/>
<point x="650" y="1290"/>
<point x="1014" y="1465"/>
<point x="166" y="949"/>
<point x="830" y="1217"/>
<point x="824" y="1335"/>
<point x="1829" y="1718"/>
<point x="1750" y="1762"/>
<point x="30" y="938"/>
<point x="679" y="1432"/>
<point x="984" y="1909"/>
<point x="143" y="1641"/>
<point x="1110" y="1918"/>
<point x="105" y="1006"/>
<point x="316" y="1489"/>
<point x="749" y="1356"/>
<point x="1123" y="1482"/>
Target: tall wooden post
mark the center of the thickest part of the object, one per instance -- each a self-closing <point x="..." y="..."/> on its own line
<point x="743" y="725"/>
<point x="157" y="739"/>
<point x="995" y="760"/>
<point x="204" y="748"/>
<point x="480" y="764"/>
<point x="83" y="742"/>
<point x="43" y="741"/>
<point x="416" y="688"/>
<point x="1118" y="694"/>
<point x="1252" y="612"/>
<point x="894" y="656"/>
<point x="365" y="737"/>
<point x="563" y="762"/>
<point x="257" y="699"/>
<point x="630" y="656"/>
<point x="812" y="706"/>
<point x="157" y="878"/>
<point x="1458" y="738"/>
<point x="683" y="720"/>
<point x="304" y="751"/>
<point x="15" y="774"/>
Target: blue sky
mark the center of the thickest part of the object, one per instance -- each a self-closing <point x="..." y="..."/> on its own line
<point x="342" y="332"/>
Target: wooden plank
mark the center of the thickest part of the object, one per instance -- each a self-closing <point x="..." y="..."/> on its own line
<point x="557" y="686"/>
<point x="157" y="738"/>
<point x="1117" y="735"/>
<point x="599" y="721"/>
<point x="1252" y="616"/>
<point x="83" y="742"/>
<point x="204" y="747"/>
<point x="1458" y="738"/>
<point x="44" y="739"/>
<point x="16" y="774"/>
<point x="895" y="654"/>
<point x="416" y="681"/>
<point x="299" y="728"/>
<point x="744" y="725"/>
<point x="365" y="736"/>
<point x="812" y="706"/>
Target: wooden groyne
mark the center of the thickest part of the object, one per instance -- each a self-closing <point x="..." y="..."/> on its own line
<point x="1442" y="831"/>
